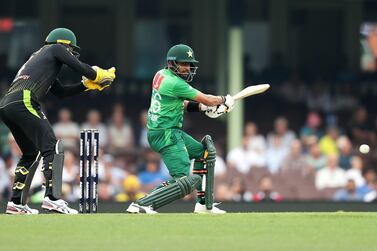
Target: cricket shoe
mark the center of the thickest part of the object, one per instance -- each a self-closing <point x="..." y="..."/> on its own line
<point x="19" y="209"/>
<point x="59" y="206"/>
<point x="202" y="209"/>
<point x="137" y="209"/>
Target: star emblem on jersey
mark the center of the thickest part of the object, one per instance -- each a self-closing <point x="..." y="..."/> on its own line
<point x="189" y="53"/>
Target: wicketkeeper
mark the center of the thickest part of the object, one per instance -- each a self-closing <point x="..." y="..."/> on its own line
<point x="171" y="96"/>
<point x="21" y="111"/>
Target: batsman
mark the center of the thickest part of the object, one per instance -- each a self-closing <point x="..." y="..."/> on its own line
<point x="171" y="97"/>
<point x="20" y="110"/>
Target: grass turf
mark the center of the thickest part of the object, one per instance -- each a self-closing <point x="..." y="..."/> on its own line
<point x="250" y="231"/>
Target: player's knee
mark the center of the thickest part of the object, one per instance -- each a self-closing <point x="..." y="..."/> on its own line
<point x="197" y="179"/>
<point x="29" y="157"/>
<point x="189" y="183"/>
<point x="210" y="153"/>
<point x="55" y="147"/>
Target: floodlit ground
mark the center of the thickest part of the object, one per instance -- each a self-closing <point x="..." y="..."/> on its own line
<point x="236" y="231"/>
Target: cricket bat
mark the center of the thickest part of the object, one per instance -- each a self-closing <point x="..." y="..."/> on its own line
<point x="251" y="90"/>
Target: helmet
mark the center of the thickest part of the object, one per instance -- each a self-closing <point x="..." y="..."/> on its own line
<point x="62" y="36"/>
<point x="182" y="53"/>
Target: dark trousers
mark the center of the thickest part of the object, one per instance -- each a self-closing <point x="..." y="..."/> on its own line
<point x="33" y="134"/>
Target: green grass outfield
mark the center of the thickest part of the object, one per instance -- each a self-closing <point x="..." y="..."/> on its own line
<point x="236" y="231"/>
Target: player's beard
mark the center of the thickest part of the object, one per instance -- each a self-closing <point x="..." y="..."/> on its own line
<point x="188" y="77"/>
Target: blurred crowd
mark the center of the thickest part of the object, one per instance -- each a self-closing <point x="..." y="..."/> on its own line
<point x="310" y="165"/>
<point x="319" y="161"/>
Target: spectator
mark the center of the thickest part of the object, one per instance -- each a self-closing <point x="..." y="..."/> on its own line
<point x="131" y="189"/>
<point x="70" y="176"/>
<point x="295" y="160"/>
<point x="311" y="128"/>
<point x="266" y="192"/>
<point x="327" y="143"/>
<point x="370" y="177"/>
<point x="67" y="130"/>
<point x="315" y="159"/>
<point x="281" y="130"/>
<point x="241" y="158"/>
<point x="257" y="143"/>
<point x="349" y="193"/>
<point x="276" y="153"/>
<point x="111" y="178"/>
<point x="222" y="192"/>
<point x="94" y="122"/>
<point x="345" y="152"/>
<point x="220" y="169"/>
<point x="238" y="190"/>
<point x="120" y="133"/>
<point x="372" y="195"/>
<point x="355" y="172"/>
<point x="331" y="176"/>
<point x="152" y="175"/>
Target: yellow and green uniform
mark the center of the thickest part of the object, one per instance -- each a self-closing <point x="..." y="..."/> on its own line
<point x="21" y="112"/>
<point x="165" y="120"/>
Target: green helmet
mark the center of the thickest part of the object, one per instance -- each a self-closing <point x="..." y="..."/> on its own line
<point x="62" y="36"/>
<point x="182" y="53"/>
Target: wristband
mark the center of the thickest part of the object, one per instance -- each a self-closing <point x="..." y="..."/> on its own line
<point x="192" y="107"/>
<point x="223" y="99"/>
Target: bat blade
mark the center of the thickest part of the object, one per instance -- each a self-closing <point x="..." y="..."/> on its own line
<point x="251" y="90"/>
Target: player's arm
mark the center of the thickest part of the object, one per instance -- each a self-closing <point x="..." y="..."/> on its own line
<point x="64" y="90"/>
<point x="93" y="77"/>
<point x="202" y="101"/>
<point x="209" y="100"/>
<point x="214" y="104"/>
<point x="62" y="54"/>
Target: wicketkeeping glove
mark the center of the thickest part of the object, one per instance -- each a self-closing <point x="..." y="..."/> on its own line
<point x="104" y="76"/>
<point x="92" y="85"/>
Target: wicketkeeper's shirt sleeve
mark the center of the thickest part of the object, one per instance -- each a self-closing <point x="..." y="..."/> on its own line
<point x="63" y="55"/>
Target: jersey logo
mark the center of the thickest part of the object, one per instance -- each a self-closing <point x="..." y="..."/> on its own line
<point x="157" y="81"/>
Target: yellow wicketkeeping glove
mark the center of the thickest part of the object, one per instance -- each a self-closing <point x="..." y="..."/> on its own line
<point x="104" y="75"/>
<point x="104" y="82"/>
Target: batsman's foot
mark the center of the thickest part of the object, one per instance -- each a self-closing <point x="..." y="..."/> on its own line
<point x="137" y="209"/>
<point x="201" y="209"/>
<point x="59" y="206"/>
<point x="19" y="209"/>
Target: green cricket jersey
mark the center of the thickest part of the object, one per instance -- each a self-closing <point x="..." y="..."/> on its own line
<point x="168" y="95"/>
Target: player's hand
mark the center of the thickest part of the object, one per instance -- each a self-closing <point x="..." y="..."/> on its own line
<point x="214" y="111"/>
<point x="90" y="85"/>
<point x="228" y="103"/>
<point x="104" y="77"/>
